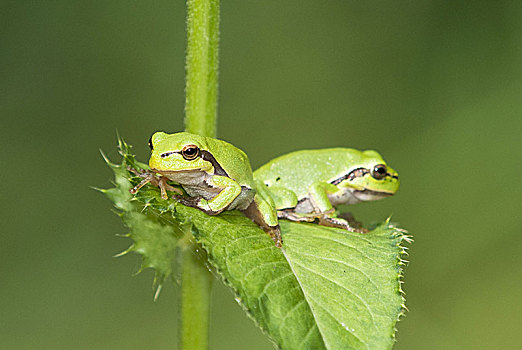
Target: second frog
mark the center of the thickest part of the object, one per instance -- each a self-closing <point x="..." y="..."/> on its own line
<point x="307" y="185"/>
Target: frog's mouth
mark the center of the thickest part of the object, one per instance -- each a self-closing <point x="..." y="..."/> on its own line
<point x="167" y="172"/>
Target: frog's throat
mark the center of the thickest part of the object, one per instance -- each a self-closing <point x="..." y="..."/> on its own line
<point x="370" y="195"/>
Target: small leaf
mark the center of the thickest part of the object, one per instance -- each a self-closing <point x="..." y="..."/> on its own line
<point x="155" y="234"/>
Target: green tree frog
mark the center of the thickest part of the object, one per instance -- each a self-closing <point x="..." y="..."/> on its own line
<point x="307" y="185"/>
<point x="215" y="175"/>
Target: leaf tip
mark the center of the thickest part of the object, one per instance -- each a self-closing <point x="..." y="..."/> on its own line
<point x="125" y="252"/>
<point x="102" y="190"/>
<point x="158" y="285"/>
<point x="107" y="160"/>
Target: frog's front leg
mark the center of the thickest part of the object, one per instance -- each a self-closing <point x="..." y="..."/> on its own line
<point x="158" y="181"/>
<point x="146" y="176"/>
<point x="230" y="189"/>
<point x="164" y="187"/>
<point x="319" y="197"/>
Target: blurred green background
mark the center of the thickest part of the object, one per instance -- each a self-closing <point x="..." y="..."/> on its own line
<point x="435" y="86"/>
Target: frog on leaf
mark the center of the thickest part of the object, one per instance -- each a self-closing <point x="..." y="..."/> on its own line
<point x="215" y="175"/>
<point x="307" y="185"/>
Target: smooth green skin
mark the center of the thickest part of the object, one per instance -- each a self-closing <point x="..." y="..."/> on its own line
<point x="213" y="193"/>
<point x="308" y="175"/>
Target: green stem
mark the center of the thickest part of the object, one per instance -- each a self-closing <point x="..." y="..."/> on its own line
<point x="200" y="118"/>
<point x="202" y="67"/>
<point x="195" y="296"/>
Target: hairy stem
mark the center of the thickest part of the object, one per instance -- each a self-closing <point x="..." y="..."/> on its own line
<point x="202" y="67"/>
<point x="194" y="297"/>
<point x="200" y="118"/>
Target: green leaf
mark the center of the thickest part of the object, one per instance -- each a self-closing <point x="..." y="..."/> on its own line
<point x="155" y="233"/>
<point x="350" y="281"/>
<point x="326" y="289"/>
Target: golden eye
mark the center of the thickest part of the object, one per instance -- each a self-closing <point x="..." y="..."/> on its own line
<point x="379" y="172"/>
<point x="190" y="152"/>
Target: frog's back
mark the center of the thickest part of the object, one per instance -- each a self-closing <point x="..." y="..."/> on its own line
<point x="233" y="160"/>
<point x="298" y="170"/>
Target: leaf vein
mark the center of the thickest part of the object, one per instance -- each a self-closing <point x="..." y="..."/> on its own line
<point x="341" y="323"/>
<point x="257" y="267"/>
<point x="275" y="280"/>
<point x="351" y="247"/>
<point x="292" y="310"/>
<point x="252" y="251"/>
<point x="306" y="296"/>
<point x="348" y="290"/>
<point x="346" y="264"/>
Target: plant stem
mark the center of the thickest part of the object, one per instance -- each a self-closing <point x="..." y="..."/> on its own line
<point x="200" y="118"/>
<point x="194" y="298"/>
<point x="202" y="67"/>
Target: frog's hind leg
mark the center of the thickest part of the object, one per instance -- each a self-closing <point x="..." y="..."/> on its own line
<point x="323" y="219"/>
<point x="351" y="219"/>
<point x="261" y="211"/>
<point x="294" y="216"/>
<point x="275" y="233"/>
<point x="340" y="223"/>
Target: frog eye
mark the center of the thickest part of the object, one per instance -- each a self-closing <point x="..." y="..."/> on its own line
<point x="379" y="172"/>
<point x="150" y="144"/>
<point x="190" y="152"/>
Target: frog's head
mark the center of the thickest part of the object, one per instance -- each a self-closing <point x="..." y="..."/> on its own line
<point x="371" y="179"/>
<point x="178" y="152"/>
